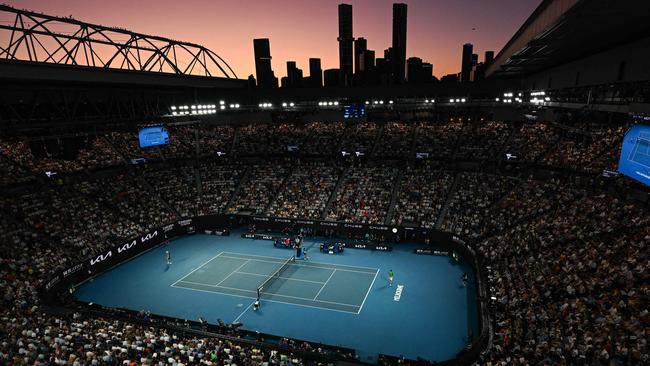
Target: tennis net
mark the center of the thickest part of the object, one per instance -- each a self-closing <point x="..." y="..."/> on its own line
<point x="275" y="275"/>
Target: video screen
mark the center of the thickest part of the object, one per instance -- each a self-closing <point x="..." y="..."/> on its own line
<point x="153" y="136"/>
<point x="635" y="154"/>
<point x="354" y="111"/>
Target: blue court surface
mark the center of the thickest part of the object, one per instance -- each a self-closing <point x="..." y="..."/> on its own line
<point x="342" y="299"/>
<point x="635" y="154"/>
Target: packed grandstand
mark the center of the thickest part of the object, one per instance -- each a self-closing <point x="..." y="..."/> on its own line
<point x="566" y="250"/>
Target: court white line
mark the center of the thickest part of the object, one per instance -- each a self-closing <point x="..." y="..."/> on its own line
<point x="194" y="270"/>
<point x="287" y="296"/>
<point x="332" y="264"/>
<point x="238" y="268"/>
<point x="305" y="266"/>
<point x="282" y="278"/>
<point x="198" y="283"/>
<point x="242" y="313"/>
<point x="369" y="288"/>
<point x="275" y="301"/>
<point x="325" y="284"/>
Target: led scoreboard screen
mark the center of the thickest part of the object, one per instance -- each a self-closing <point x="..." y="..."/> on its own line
<point x="354" y="111"/>
<point x="635" y="154"/>
<point x="153" y="136"/>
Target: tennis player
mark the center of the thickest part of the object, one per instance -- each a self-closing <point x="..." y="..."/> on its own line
<point x="390" y="278"/>
<point x="168" y="257"/>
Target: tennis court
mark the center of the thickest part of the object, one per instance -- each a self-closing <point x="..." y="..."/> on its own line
<point x="304" y="283"/>
<point x="641" y="152"/>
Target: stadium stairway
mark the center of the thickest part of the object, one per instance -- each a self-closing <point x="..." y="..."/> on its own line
<point x="94" y="197"/>
<point x="277" y="192"/>
<point x="233" y="143"/>
<point x="375" y="143"/>
<point x="342" y="176"/>
<point x="160" y="198"/>
<point x="413" y="138"/>
<point x="393" y="197"/>
<point x="244" y="179"/>
<point x="450" y="196"/>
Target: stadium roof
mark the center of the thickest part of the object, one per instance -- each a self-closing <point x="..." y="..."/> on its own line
<point x="560" y="31"/>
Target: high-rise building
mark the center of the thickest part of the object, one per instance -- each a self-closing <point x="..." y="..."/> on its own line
<point x="367" y="61"/>
<point x="466" y="62"/>
<point x="474" y="59"/>
<point x="294" y="74"/>
<point x="489" y="57"/>
<point x="331" y="77"/>
<point x="360" y="46"/>
<point x="427" y="72"/>
<point x="345" y="43"/>
<point x="263" y="71"/>
<point x="418" y="72"/>
<point x="399" y="43"/>
<point x="414" y="69"/>
<point x="315" y="73"/>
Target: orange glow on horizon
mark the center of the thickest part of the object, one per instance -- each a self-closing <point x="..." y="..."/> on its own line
<point x="302" y="29"/>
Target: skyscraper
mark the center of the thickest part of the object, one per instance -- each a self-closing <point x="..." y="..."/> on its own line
<point x="360" y="46"/>
<point x="315" y="73"/>
<point x="345" y="43"/>
<point x="466" y="62"/>
<point x="331" y="77"/>
<point x="399" y="42"/>
<point x="263" y="71"/>
<point x="489" y="56"/>
<point x="294" y="74"/>
<point x="414" y="68"/>
<point x="367" y="61"/>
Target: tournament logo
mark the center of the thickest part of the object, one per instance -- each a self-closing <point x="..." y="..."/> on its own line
<point x="398" y="292"/>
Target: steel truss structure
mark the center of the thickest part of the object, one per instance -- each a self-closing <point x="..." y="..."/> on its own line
<point x="34" y="37"/>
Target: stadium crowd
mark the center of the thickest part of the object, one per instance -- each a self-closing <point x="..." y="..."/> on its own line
<point x="568" y="259"/>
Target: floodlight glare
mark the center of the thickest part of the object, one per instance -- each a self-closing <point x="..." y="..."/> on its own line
<point x="463" y="100"/>
<point x="451" y="100"/>
<point x="284" y="104"/>
<point x="221" y="102"/>
<point x="336" y="103"/>
<point x="173" y="108"/>
<point x="291" y="104"/>
<point x="223" y="107"/>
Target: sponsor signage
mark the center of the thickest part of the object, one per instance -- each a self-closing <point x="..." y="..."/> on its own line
<point x="380" y="247"/>
<point x="398" y="292"/>
<point x="430" y="251"/>
<point x="72" y="270"/>
<point x="258" y="236"/>
<point x="124" y="248"/>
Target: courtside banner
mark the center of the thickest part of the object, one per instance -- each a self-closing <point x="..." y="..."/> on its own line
<point x="430" y="251"/>
<point x="371" y="246"/>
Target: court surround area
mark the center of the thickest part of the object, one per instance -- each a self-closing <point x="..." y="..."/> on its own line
<point x="304" y="283"/>
<point x="341" y="299"/>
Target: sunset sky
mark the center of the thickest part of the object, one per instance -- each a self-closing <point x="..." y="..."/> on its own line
<point x="299" y="29"/>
